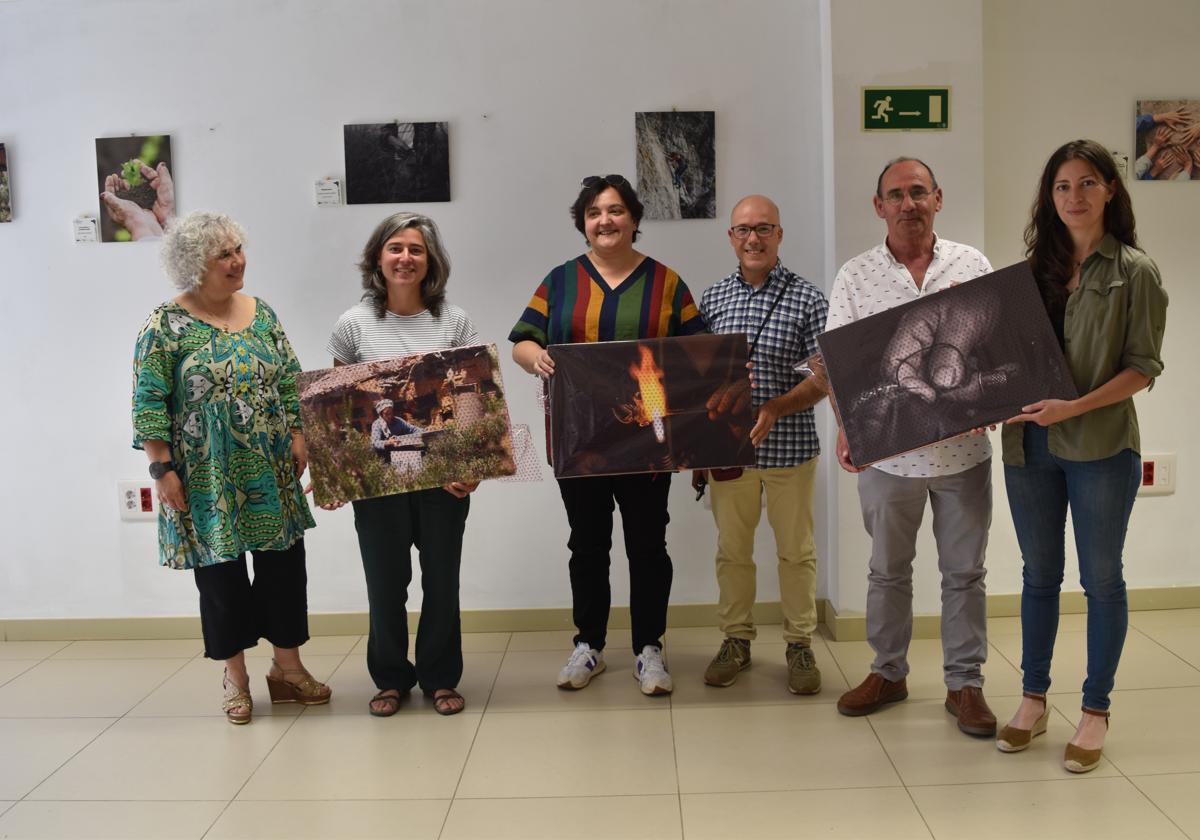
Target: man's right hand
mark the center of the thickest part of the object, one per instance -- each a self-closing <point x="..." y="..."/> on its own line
<point x="843" y="453"/>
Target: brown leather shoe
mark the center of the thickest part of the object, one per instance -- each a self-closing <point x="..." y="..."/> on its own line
<point x="870" y="694"/>
<point x="974" y="716"/>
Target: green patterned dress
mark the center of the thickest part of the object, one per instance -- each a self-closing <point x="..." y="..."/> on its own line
<point x="227" y="403"/>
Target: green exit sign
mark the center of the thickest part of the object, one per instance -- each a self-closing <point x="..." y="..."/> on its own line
<point x="906" y="109"/>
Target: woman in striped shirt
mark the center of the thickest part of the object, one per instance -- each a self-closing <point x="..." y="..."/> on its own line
<point x="611" y="293"/>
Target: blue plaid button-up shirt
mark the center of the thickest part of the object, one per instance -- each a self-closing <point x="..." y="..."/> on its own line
<point x="788" y="336"/>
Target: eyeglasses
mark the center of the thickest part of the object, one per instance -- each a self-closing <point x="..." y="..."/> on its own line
<point x="611" y="180"/>
<point x="742" y="231"/>
<point x="917" y="194"/>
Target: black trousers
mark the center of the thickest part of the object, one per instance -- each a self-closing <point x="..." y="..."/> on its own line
<point x="388" y="528"/>
<point x="235" y="613"/>
<point x="643" y="502"/>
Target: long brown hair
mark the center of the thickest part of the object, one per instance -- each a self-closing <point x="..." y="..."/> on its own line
<point x="1048" y="244"/>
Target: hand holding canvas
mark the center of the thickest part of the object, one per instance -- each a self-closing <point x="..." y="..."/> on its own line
<point x="843" y="453"/>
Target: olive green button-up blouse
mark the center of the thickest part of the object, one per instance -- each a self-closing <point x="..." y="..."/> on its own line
<point x="1115" y="320"/>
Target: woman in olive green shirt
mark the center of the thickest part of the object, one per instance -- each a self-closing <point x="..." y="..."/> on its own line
<point x="1106" y="302"/>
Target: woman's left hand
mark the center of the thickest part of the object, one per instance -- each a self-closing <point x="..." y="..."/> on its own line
<point x="460" y="489"/>
<point x="1045" y="412"/>
<point x="299" y="453"/>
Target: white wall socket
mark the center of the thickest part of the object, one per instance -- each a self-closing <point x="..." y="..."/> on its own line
<point x="1158" y="474"/>
<point x="137" y="500"/>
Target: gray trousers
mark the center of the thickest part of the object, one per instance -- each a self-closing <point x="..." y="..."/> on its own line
<point x="962" y="513"/>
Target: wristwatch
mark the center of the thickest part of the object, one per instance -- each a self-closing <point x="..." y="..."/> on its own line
<point x="160" y="468"/>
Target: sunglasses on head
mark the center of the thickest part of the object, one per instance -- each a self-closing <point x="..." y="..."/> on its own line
<point x="611" y="180"/>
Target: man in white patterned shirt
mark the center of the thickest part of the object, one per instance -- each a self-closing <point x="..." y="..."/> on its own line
<point x="781" y="314"/>
<point x="954" y="475"/>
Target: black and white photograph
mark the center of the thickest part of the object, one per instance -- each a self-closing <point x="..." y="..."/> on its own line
<point x="677" y="164"/>
<point x="137" y="189"/>
<point x="620" y="407"/>
<point x="1167" y="140"/>
<point x="944" y="364"/>
<point x="397" y="162"/>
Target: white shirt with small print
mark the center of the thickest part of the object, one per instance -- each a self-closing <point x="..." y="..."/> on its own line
<point x="874" y="282"/>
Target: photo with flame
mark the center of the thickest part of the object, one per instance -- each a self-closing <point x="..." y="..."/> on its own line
<point x="642" y="406"/>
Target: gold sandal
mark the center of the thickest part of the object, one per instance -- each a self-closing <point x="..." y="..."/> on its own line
<point x="236" y="698"/>
<point x="307" y="692"/>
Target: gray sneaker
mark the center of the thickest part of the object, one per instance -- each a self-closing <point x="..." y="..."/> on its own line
<point x="803" y="675"/>
<point x="733" y="656"/>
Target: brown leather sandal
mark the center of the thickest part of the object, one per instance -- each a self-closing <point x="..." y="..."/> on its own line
<point x="1011" y="739"/>
<point x="391" y="703"/>
<point x="1077" y="759"/>
<point x="443" y="699"/>
<point x="307" y="692"/>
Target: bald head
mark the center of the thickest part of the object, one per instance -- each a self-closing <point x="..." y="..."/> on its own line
<point x="760" y="205"/>
<point x="755" y="234"/>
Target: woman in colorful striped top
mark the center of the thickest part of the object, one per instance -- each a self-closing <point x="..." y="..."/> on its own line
<point x="611" y="293"/>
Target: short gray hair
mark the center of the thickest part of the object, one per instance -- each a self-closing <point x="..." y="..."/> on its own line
<point x="433" y="287"/>
<point x="190" y="243"/>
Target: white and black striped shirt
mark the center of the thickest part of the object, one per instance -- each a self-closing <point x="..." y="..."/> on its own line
<point x="362" y="336"/>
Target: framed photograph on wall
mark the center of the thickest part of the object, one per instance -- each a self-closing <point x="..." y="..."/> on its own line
<point x="676" y="164"/>
<point x="137" y="189"/>
<point x="5" y="189"/>
<point x="944" y="364"/>
<point x="397" y="162"/>
<point x="1167" y="140"/>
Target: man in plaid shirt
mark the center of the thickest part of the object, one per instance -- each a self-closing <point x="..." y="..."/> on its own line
<point x="781" y="314"/>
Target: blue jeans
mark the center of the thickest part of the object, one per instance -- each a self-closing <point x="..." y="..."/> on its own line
<point x="1100" y="495"/>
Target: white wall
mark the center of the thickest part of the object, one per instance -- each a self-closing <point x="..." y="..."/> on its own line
<point x="929" y="43"/>
<point x="1076" y="68"/>
<point x="538" y="93"/>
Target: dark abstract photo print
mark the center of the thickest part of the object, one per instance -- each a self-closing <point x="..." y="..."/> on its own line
<point x="397" y="162"/>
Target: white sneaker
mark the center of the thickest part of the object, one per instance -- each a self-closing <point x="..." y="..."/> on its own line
<point x="585" y="663"/>
<point x="649" y="670"/>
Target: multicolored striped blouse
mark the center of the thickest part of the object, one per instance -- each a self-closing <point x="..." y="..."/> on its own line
<point x="574" y="305"/>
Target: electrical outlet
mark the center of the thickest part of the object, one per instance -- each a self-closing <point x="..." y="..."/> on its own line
<point x="136" y="500"/>
<point x="1158" y="474"/>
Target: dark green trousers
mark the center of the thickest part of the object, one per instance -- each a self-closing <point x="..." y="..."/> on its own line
<point x="388" y="528"/>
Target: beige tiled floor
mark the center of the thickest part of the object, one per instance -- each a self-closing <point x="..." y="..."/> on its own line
<point x="124" y="739"/>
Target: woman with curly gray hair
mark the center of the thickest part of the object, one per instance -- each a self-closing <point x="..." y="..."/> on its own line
<point x="403" y="311"/>
<point x="215" y="408"/>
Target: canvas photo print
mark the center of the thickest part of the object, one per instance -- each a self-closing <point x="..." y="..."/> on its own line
<point x="937" y="367"/>
<point x="676" y="164"/>
<point x="137" y="190"/>
<point x="640" y="406"/>
<point x="397" y="162"/>
<point x="1167" y="140"/>
<point x="5" y="190"/>
<point x="420" y="421"/>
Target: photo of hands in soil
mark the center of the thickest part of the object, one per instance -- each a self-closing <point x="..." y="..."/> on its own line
<point x="137" y="192"/>
<point x="948" y="363"/>
<point x="420" y="421"/>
